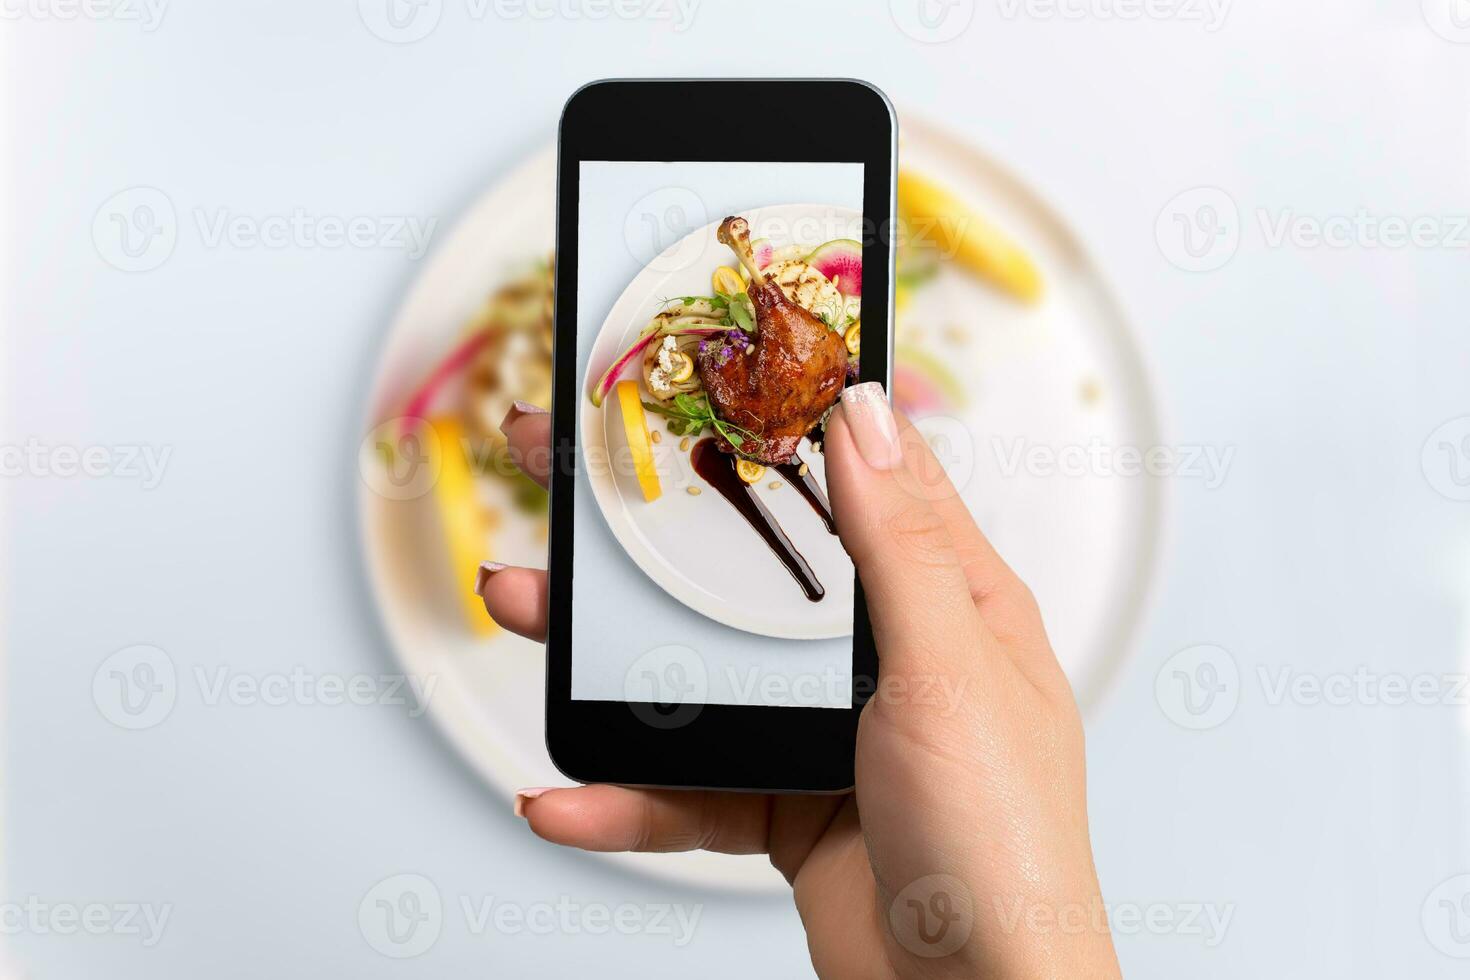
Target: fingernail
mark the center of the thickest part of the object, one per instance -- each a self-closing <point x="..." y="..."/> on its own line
<point x="865" y="408"/>
<point x="519" y="409"/>
<point x="524" y="796"/>
<point x="487" y="569"/>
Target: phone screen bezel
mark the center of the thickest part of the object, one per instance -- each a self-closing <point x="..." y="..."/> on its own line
<point x="762" y="748"/>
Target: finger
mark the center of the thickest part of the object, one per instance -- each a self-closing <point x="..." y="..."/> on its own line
<point x="917" y="595"/>
<point x="528" y="436"/>
<point x="615" y="818"/>
<point x="514" y="597"/>
<point x="1003" y="600"/>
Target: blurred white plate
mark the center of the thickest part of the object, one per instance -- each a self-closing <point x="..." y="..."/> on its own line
<point x="1086" y="544"/>
<point x="731" y="575"/>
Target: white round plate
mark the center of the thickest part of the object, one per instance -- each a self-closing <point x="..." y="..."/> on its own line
<point x="732" y="576"/>
<point x="1087" y="546"/>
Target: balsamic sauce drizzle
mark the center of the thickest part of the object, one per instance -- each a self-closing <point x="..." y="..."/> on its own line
<point x="718" y="470"/>
<point x="808" y="487"/>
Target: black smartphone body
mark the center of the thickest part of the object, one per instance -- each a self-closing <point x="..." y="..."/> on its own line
<point x="724" y="268"/>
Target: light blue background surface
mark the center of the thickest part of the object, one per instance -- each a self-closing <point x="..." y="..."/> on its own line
<point x="1325" y="828"/>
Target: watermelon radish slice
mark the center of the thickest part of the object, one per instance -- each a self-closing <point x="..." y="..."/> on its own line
<point x="606" y="382"/>
<point x="762" y="250"/>
<point x="841" y="261"/>
<point x="651" y="333"/>
<point x="422" y="400"/>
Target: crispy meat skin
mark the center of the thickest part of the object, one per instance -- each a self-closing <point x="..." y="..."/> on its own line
<point x="781" y="389"/>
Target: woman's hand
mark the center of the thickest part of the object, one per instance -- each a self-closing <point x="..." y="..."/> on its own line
<point x="964" y="849"/>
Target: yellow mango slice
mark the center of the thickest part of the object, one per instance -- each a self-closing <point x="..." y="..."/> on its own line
<point x="461" y="516"/>
<point x="636" y="426"/>
<point x="974" y="242"/>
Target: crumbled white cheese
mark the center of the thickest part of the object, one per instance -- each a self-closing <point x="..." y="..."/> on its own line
<point x="658" y="379"/>
<point x="666" y="355"/>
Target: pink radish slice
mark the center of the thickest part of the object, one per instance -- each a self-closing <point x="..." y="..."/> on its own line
<point x="762" y="250"/>
<point x="457" y="359"/>
<point x="841" y="261"/>
<point x="699" y="331"/>
<point x="914" y="394"/>
<point x="606" y="382"/>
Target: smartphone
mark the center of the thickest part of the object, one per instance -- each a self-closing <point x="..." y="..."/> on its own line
<point x="724" y="268"/>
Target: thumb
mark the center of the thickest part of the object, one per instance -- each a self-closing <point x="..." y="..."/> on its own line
<point x="918" y="598"/>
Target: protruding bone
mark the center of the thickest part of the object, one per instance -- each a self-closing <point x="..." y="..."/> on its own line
<point x="735" y="232"/>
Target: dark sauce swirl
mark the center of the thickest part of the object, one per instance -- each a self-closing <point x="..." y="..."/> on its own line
<point x="718" y="470"/>
<point x="808" y="487"/>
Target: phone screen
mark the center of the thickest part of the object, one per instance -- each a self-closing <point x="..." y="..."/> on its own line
<point x="706" y="569"/>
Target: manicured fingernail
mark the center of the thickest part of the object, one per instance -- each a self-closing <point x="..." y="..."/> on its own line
<point x="519" y="410"/>
<point x="487" y="569"/>
<point x="865" y="408"/>
<point x="524" y="796"/>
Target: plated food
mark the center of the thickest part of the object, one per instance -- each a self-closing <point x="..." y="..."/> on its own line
<point x="742" y="376"/>
<point x="968" y="346"/>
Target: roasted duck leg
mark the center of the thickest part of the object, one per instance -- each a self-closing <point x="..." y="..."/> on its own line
<point x="778" y="385"/>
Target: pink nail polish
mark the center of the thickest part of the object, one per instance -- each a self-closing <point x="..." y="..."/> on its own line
<point x="487" y="569"/>
<point x="865" y="409"/>
<point x="520" y="410"/>
<point x="524" y="796"/>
